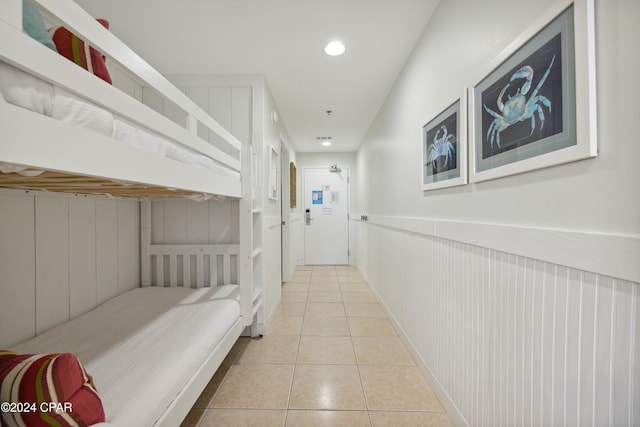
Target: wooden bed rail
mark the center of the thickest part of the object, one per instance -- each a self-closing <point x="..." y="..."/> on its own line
<point x="193" y="266"/>
<point x="188" y="265"/>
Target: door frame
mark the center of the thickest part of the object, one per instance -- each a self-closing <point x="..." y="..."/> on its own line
<point x="285" y="203"/>
<point x="304" y="201"/>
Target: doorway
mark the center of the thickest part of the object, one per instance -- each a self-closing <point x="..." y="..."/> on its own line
<point x="326" y="215"/>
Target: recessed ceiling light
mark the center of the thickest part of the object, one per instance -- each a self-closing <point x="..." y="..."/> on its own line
<point x="334" y="48"/>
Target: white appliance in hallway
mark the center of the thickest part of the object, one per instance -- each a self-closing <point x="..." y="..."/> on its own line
<point x="326" y="215"/>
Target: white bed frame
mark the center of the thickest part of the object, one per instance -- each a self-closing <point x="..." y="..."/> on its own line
<point x="216" y="266"/>
<point x="82" y="152"/>
<point x="208" y="258"/>
<point x="25" y="139"/>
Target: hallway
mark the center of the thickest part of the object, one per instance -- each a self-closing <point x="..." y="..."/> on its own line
<point x="330" y="357"/>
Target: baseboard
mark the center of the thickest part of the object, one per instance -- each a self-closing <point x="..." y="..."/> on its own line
<point x="452" y="409"/>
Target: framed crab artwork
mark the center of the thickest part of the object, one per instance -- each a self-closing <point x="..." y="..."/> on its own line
<point x="444" y="147"/>
<point x="536" y="108"/>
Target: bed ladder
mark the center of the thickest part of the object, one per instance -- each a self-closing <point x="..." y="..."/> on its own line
<point x="251" y="258"/>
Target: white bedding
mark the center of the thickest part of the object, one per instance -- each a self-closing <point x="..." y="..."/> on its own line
<point x="24" y="90"/>
<point x="143" y="346"/>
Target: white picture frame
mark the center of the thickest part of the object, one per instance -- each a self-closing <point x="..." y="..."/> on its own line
<point x="572" y="23"/>
<point x="273" y="173"/>
<point x="444" y="147"/>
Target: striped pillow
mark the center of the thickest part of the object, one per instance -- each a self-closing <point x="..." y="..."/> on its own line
<point x="47" y="390"/>
<point x="74" y="49"/>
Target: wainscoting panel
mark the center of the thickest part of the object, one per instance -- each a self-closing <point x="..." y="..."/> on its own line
<point x="273" y="261"/>
<point x="296" y="247"/>
<point x="184" y="221"/>
<point x="61" y="256"/>
<point x="18" y="267"/>
<point x="509" y="340"/>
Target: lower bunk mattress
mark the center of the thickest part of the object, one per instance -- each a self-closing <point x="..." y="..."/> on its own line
<point x="142" y="347"/>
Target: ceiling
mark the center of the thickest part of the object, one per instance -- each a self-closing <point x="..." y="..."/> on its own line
<point x="284" y="41"/>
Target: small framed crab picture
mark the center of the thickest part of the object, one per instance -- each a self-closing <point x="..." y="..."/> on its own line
<point x="444" y="147"/>
<point x="535" y="109"/>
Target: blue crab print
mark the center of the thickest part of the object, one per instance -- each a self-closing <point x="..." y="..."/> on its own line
<point x="442" y="146"/>
<point x="517" y="108"/>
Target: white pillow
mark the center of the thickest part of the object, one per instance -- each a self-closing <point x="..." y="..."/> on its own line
<point x="74" y="110"/>
<point x="24" y="90"/>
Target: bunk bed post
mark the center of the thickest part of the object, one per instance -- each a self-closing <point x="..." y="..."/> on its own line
<point x="245" y="272"/>
<point x="192" y="124"/>
<point x="11" y="12"/>
<point x="145" y="242"/>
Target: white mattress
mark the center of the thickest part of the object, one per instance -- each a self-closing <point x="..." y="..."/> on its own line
<point x="143" y="346"/>
<point x="24" y="90"/>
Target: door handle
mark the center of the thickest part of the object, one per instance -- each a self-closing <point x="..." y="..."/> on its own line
<point x="308" y="217"/>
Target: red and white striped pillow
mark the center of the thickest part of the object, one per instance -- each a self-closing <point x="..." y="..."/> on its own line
<point x="47" y="389"/>
<point x="75" y="49"/>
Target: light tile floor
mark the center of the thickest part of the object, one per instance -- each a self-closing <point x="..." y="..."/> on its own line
<point x="330" y="357"/>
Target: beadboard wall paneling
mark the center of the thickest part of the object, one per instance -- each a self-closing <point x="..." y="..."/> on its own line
<point x="18" y="267"/>
<point x="106" y="249"/>
<point x="128" y="246"/>
<point x="52" y="262"/>
<point x="184" y="221"/>
<point x="61" y="256"/>
<point x="509" y="340"/>
<point x="83" y="284"/>
<point x="273" y="262"/>
<point x="296" y="248"/>
<point x="124" y="82"/>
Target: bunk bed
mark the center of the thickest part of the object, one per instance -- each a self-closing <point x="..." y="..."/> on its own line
<point x="152" y="350"/>
<point x="99" y="150"/>
<point x="136" y="345"/>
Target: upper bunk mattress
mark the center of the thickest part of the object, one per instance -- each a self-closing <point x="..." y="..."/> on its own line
<point x="142" y="347"/>
<point x="27" y="91"/>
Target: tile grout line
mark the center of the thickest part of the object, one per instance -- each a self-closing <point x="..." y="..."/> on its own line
<point x="355" y="354"/>
<point x="300" y="335"/>
<point x="295" y="364"/>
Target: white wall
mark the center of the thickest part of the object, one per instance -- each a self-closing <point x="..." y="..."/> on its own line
<point x="594" y="195"/>
<point x="274" y="135"/>
<point x="518" y="296"/>
<point x="296" y="222"/>
<point x="61" y="256"/>
<point x="243" y="105"/>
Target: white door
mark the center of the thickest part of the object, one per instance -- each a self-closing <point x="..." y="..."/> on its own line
<point x="326" y="209"/>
